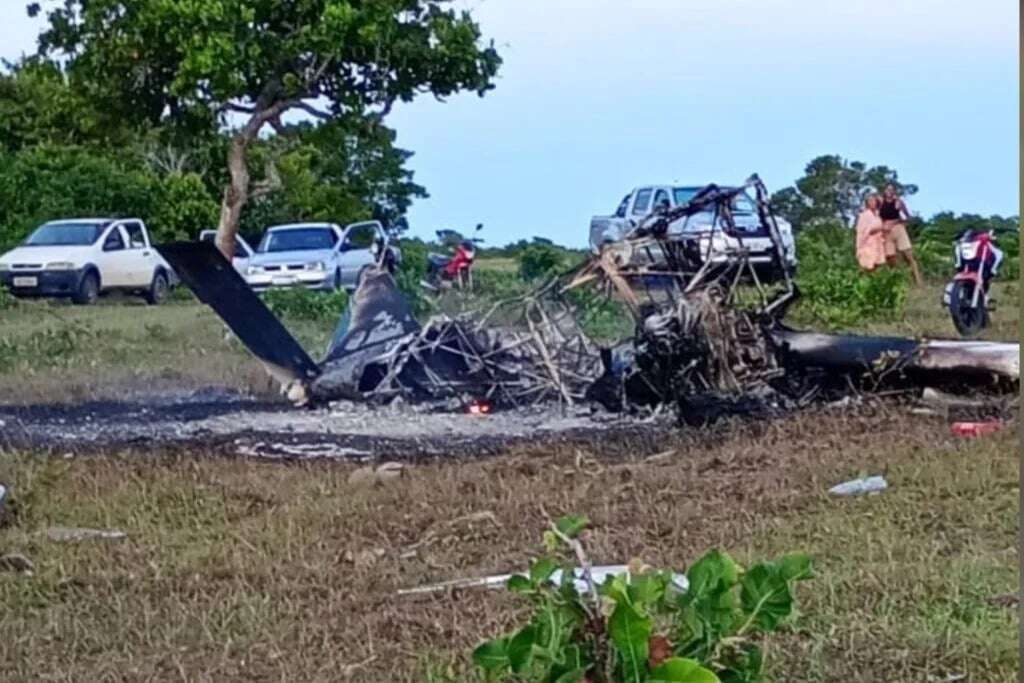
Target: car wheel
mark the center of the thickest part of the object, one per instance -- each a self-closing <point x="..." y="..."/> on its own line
<point x="88" y="290"/>
<point x="157" y="292"/>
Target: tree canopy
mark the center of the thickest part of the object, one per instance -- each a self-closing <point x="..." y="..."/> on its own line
<point x="245" y="63"/>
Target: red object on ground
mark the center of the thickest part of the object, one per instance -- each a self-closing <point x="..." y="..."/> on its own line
<point x="971" y="429"/>
<point x="479" y="408"/>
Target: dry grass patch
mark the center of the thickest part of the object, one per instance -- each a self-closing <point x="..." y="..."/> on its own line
<point x="237" y="570"/>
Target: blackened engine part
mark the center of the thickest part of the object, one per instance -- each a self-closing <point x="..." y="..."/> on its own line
<point x="216" y="283"/>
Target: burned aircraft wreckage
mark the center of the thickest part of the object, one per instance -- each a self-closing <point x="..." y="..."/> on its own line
<point x="708" y="335"/>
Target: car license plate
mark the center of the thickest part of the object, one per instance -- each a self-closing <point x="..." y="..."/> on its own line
<point x="26" y="282"/>
<point x="284" y="280"/>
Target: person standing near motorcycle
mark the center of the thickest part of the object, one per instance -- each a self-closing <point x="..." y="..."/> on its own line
<point x="870" y="234"/>
<point x="894" y="215"/>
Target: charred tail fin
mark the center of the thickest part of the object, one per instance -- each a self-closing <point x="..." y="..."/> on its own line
<point x="215" y="282"/>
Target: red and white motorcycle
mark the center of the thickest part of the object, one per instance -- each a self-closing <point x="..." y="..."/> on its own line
<point x="456" y="271"/>
<point x="977" y="260"/>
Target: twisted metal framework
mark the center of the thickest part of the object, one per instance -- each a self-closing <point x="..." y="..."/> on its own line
<point x="694" y="331"/>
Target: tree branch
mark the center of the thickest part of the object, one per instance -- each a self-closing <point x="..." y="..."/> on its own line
<point x="241" y="108"/>
<point x="310" y="109"/>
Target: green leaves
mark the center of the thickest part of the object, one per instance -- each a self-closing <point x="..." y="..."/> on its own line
<point x="646" y="631"/>
<point x="679" y="670"/>
<point x="520" y="649"/>
<point x="572" y="525"/>
<point x="765" y="591"/>
<point x="630" y="633"/>
<point x="492" y="655"/>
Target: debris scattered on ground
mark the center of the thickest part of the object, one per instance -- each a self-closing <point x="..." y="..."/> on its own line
<point x="976" y="429"/>
<point x="16" y="562"/>
<point x="389" y="471"/>
<point x="861" y="486"/>
<point x="599" y="574"/>
<point x="364" y="558"/>
<point x="62" y="533"/>
<point x="381" y="474"/>
<point x="1007" y="600"/>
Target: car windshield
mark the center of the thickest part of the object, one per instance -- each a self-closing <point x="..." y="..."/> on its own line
<point x="741" y="203"/>
<point x="683" y="195"/>
<point x="65" y="234"/>
<point x="297" y="239"/>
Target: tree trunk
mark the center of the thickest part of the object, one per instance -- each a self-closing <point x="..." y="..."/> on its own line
<point x="236" y="194"/>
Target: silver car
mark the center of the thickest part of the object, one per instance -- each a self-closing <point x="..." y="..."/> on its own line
<point x="319" y="256"/>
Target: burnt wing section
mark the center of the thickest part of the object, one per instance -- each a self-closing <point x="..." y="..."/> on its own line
<point x="215" y="282"/>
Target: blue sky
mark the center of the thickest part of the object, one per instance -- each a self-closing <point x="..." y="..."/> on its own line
<point x="597" y="96"/>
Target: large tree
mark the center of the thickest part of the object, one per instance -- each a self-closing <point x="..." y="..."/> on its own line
<point x="249" y="62"/>
<point x="833" y="188"/>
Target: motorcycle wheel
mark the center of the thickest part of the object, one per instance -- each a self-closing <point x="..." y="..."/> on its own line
<point x="967" y="319"/>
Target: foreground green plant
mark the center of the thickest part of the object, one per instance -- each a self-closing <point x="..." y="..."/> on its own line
<point x="644" y="626"/>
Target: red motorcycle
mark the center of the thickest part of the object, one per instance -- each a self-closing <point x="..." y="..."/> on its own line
<point x="452" y="271"/>
<point x="977" y="260"/>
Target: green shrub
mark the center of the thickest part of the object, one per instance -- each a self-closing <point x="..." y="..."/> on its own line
<point x="540" y="260"/>
<point x="304" y="304"/>
<point x="496" y="285"/>
<point x="184" y="208"/>
<point x="46" y="182"/>
<point x="835" y="291"/>
<point x="642" y="626"/>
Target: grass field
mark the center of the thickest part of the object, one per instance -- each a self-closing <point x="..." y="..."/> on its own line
<point x="242" y="570"/>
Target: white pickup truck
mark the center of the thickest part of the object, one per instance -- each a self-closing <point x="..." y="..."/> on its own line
<point x="706" y="228"/>
<point x="83" y="257"/>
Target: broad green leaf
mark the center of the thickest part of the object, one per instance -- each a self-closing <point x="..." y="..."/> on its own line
<point x="765" y="597"/>
<point x="492" y="655"/>
<point x="572" y="525"/>
<point x="542" y="569"/>
<point x="796" y="567"/>
<point x="630" y="634"/>
<point x="615" y="587"/>
<point x="679" y="670"/>
<point x="518" y="583"/>
<point x="574" y="676"/>
<point x="647" y="589"/>
<point x="520" y="649"/>
<point x="714" y="568"/>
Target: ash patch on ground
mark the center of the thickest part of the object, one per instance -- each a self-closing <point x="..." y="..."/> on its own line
<point x="237" y="425"/>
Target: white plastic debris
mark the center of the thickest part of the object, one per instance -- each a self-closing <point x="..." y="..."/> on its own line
<point x="62" y="533"/>
<point x="858" y="487"/>
<point x="598" y="574"/>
